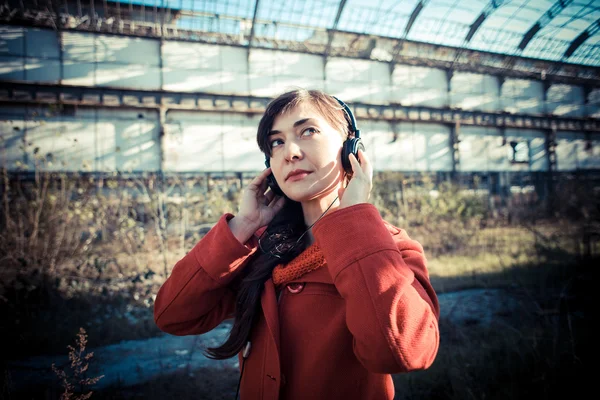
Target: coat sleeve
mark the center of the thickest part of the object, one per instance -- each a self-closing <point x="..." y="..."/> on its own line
<point x="197" y="295"/>
<point x="392" y="310"/>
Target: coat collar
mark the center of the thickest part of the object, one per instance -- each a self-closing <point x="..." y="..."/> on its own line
<point x="320" y="275"/>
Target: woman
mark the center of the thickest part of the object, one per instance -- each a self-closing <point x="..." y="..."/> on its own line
<point x="328" y="298"/>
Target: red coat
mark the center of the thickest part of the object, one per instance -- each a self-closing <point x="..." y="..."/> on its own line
<point x="370" y="312"/>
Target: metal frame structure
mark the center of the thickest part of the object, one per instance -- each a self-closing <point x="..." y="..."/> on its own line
<point x="163" y="102"/>
<point x="411" y="20"/>
<point x="331" y="41"/>
<point x="251" y="37"/>
<point x="583" y="36"/>
<point x="25" y="93"/>
<point x="149" y="18"/>
<point x="548" y="16"/>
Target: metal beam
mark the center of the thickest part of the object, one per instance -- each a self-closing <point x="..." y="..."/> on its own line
<point x="543" y="21"/>
<point x="252" y="30"/>
<point x="253" y="23"/>
<point x="585" y="35"/>
<point x="411" y="21"/>
<point x="413" y="16"/>
<point x="453" y="144"/>
<point x="15" y="93"/>
<point x="492" y="6"/>
<point x="331" y="32"/>
<point x="475" y="26"/>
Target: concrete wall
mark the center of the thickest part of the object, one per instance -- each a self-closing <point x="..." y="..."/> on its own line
<point x="87" y="140"/>
<point x="474" y="92"/>
<point x="485" y="149"/>
<point x="89" y="59"/>
<point x="419" y="86"/>
<point x="565" y="100"/>
<point x="522" y="96"/>
<point x="212" y="142"/>
<point x="571" y="152"/>
<point x="408" y="146"/>
<point x="107" y="140"/>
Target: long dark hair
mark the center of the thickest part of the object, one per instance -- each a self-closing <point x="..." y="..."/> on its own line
<point x="285" y="229"/>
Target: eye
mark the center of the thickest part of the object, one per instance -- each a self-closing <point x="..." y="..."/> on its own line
<point x="309" y="132"/>
<point x="276" y="142"/>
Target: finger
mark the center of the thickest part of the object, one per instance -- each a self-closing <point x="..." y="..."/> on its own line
<point x="260" y="179"/>
<point x="362" y="156"/>
<point x="265" y="172"/>
<point x="263" y="187"/>
<point x="279" y="203"/>
<point x="269" y="197"/>
<point x="365" y="163"/>
<point x="274" y="201"/>
<point x="354" y="163"/>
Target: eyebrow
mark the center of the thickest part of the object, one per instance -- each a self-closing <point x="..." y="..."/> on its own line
<point x="296" y="124"/>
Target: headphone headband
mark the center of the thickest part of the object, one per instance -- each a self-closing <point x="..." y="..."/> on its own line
<point x="355" y="130"/>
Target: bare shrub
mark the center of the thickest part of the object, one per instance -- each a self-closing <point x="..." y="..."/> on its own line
<point x="42" y="227"/>
<point x="444" y="214"/>
<point x="75" y="382"/>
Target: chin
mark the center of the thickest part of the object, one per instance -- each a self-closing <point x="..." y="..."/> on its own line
<point x="299" y="195"/>
<point x="296" y="196"/>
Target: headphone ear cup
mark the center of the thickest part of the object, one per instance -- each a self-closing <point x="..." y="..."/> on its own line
<point x="351" y="146"/>
<point x="272" y="183"/>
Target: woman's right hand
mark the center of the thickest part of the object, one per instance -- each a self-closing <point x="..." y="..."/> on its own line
<point x="257" y="208"/>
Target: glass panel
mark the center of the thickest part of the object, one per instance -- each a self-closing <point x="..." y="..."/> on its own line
<point x="444" y="22"/>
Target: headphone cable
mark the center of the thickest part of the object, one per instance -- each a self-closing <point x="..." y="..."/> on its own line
<point x="240" y="381"/>
<point x="246" y="352"/>
<point x="245" y="355"/>
<point x="301" y="236"/>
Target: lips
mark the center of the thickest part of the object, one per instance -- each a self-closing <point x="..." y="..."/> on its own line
<point x="297" y="175"/>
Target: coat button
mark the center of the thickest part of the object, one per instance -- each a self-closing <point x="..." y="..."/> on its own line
<point x="295" y="287"/>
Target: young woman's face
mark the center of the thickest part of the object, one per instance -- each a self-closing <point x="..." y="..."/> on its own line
<point x="305" y="153"/>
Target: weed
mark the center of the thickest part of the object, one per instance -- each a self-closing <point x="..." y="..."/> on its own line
<point x="76" y="381"/>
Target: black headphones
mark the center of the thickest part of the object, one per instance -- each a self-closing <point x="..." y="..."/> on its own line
<point x="350" y="146"/>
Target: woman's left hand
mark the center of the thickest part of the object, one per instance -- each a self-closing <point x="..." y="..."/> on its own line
<point x="359" y="188"/>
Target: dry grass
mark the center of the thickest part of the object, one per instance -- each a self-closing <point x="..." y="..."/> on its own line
<point x="90" y="252"/>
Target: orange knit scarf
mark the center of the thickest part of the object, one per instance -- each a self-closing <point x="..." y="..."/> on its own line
<point x="309" y="260"/>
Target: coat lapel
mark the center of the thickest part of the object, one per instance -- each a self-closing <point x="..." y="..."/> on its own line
<point x="268" y="301"/>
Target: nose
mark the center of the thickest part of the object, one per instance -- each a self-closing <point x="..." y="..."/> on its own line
<point x="292" y="151"/>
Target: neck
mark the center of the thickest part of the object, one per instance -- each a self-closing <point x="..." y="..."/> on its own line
<point x="314" y="209"/>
